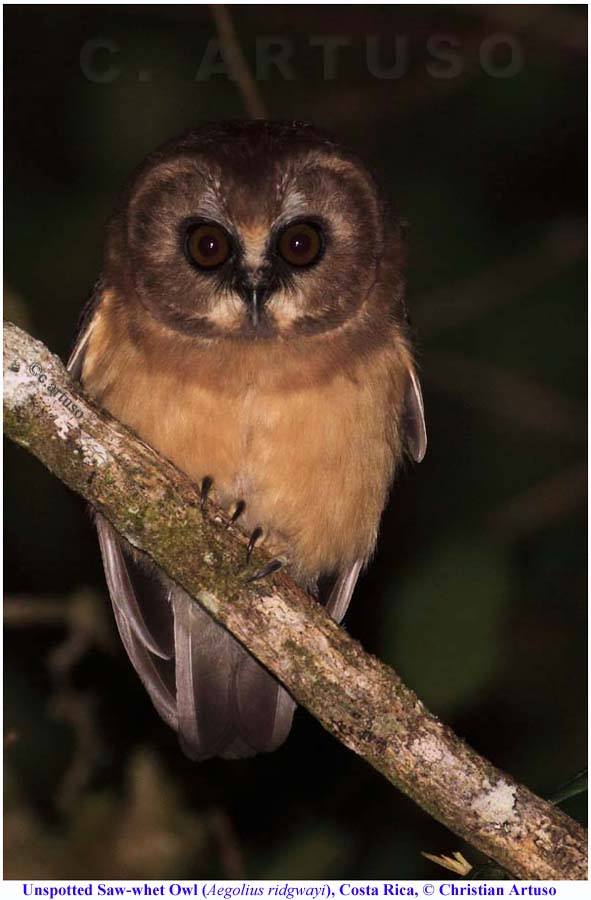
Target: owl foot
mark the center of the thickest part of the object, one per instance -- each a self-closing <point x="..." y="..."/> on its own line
<point x="206" y="486"/>
<point x="236" y="512"/>
<point x="272" y="566"/>
<point x="255" y="538"/>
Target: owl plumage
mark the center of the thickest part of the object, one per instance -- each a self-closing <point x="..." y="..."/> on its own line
<point x="249" y="324"/>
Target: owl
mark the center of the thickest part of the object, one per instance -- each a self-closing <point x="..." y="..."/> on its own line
<point x="249" y="324"/>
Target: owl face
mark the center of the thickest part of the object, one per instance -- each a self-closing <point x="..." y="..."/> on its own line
<point x="247" y="230"/>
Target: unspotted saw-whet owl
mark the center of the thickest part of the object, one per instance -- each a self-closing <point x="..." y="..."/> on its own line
<point x="249" y="324"/>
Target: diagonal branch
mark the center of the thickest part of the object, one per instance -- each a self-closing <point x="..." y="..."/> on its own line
<point x="237" y="63"/>
<point x="355" y="697"/>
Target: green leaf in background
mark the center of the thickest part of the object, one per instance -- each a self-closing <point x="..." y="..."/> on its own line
<point x="488" y="173"/>
<point x="444" y="625"/>
<point x="321" y="852"/>
<point x="576" y="785"/>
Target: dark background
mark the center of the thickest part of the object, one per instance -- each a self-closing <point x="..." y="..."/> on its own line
<point x="478" y="592"/>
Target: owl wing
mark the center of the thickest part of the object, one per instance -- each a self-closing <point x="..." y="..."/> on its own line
<point x="413" y="418"/>
<point x="83" y="332"/>
<point x="202" y="682"/>
<point x="415" y="439"/>
<point x="342" y="591"/>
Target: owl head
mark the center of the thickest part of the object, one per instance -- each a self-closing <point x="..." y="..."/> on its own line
<point x="251" y="230"/>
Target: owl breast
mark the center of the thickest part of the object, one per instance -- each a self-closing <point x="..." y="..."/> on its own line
<point x="312" y="463"/>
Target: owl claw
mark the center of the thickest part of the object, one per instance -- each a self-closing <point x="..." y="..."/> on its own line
<point x="254" y="539"/>
<point x="272" y="566"/>
<point x="206" y="485"/>
<point x="237" y="512"/>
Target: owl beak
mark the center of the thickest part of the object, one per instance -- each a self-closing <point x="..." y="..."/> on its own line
<point x="254" y="294"/>
<point x="253" y="306"/>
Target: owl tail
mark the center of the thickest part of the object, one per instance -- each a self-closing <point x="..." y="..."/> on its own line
<point x="227" y="703"/>
<point x="203" y="683"/>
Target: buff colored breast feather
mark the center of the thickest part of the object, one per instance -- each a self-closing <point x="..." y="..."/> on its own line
<point x="313" y="465"/>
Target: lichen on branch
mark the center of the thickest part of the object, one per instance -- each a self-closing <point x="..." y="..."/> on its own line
<point x="362" y="702"/>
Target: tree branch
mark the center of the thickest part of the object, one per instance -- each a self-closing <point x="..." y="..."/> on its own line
<point x="237" y="62"/>
<point x="355" y="697"/>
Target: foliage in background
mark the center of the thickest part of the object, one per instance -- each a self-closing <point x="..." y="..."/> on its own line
<point x="477" y="593"/>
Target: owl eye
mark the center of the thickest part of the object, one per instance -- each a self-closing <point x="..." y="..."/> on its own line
<point x="301" y="244"/>
<point x="208" y="245"/>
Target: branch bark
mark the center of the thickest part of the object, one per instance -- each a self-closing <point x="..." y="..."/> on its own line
<point x="362" y="702"/>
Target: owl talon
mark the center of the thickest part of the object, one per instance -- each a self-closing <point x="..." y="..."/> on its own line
<point x="254" y="540"/>
<point x="272" y="566"/>
<point x="237" y="512"/>
<point x="206" y="486"/>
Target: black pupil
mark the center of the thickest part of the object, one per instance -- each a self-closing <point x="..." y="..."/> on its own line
<point x="300" y="243"/>
<point x="208" y="245"/>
